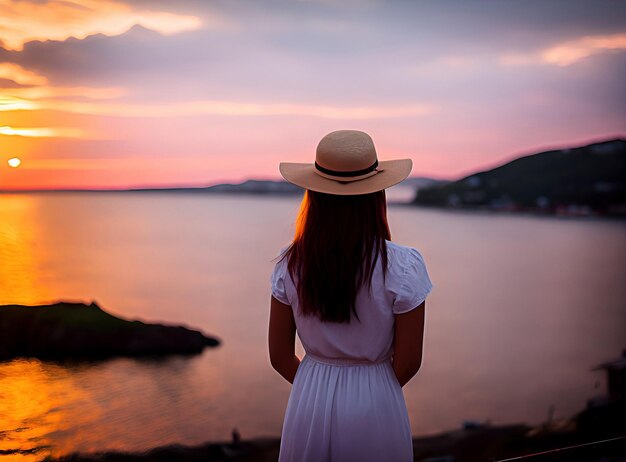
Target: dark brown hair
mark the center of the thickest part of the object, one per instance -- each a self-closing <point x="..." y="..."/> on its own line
<point x="336" y="246"/>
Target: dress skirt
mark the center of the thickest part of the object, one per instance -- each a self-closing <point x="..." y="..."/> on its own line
<point x="344" y="410"/>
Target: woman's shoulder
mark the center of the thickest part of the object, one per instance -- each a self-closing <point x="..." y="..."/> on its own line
<point x="403" y="259"/>
<point x="402" y="252"/>
<point x="280" y="259"/>
<point x="279" y="277"/>
<point x="395" y="247"/>
<point x="410" y="282"/>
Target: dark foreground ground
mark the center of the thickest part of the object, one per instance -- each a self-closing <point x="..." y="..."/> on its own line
<point x="597" y="435"/>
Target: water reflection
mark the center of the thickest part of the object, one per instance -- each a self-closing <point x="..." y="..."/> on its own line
<point x="117" y="404"/>
<point x="33" y="396"/>
<point x="20" y="255"/>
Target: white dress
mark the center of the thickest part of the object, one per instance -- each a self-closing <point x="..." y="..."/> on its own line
<point x="346" y="403"/>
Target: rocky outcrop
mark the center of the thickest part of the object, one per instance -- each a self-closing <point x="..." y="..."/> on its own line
<point x="76" y="330"/>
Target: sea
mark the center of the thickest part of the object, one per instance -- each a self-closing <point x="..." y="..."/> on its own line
<point x="523" y="309"/>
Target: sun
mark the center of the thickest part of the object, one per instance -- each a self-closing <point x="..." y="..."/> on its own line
<point x="14" y="162"/>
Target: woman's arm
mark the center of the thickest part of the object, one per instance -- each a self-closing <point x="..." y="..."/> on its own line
<point x="282" y="340"/>
<point x="407" y="343"/>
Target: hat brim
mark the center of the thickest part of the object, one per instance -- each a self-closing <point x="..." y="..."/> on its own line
<point x="391" y="172"/>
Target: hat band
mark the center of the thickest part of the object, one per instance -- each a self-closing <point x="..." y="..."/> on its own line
<point x="327" y="171"/>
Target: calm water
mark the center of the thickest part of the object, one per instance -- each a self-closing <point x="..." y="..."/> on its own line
<point x="522" y="309"/>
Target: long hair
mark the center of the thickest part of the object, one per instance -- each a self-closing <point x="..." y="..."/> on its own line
<point x="336" y="246"/>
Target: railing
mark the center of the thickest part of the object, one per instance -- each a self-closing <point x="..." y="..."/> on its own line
<point x="566" y="448"/>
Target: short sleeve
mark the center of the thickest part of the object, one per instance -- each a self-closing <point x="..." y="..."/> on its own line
<point x="277" y="282"/>
<point x="416" y="284"/>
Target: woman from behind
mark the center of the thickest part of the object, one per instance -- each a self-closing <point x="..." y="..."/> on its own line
<point x="356" y="301"/>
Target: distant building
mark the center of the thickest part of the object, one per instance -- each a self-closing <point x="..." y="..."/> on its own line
<point x="605" y="416"/>
<point x="616" y="377"/>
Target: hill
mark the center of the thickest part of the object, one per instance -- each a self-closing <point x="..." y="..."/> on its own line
<point x="583" y="180"/>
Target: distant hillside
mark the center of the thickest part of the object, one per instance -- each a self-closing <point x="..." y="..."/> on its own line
<point x="252" y="186"/>
<point x="247" y="187"/>
<point x="283" y="187"/>
<point x="582" y="181"/>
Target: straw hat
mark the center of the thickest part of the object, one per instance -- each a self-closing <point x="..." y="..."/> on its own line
<point x="346" y="164"/>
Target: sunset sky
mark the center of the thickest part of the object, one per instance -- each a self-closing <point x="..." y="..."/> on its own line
<point x="113" y="94"/>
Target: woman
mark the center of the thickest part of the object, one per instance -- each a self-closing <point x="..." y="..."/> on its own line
<point x="357" y="301"/>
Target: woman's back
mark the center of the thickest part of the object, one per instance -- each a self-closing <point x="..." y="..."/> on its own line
<point x="370" y="337"/>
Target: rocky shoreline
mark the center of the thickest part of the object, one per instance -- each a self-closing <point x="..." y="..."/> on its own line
<point x="67" y="330"/>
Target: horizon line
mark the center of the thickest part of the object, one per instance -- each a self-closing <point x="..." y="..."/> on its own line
<point x="182" y="186"/>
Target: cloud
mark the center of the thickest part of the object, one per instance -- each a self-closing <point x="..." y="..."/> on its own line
<point x="46" y="132"/>
<point x="569" y="52"/>
<point x="18" y="74"/>
<point x="27" y="20"/>
<point x="47" y="91"/>
<point x="19" y="83"/>
<point x="10" y="103"/>
<point x="328" y="53"/>
<point x="224" y="108"/>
